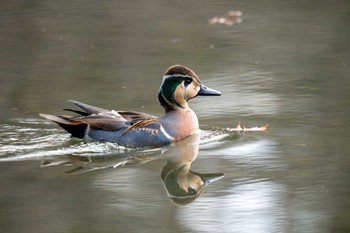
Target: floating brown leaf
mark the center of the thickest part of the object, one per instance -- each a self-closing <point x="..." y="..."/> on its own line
<point x="230" y="19"/>
<point x="240" y="128"/>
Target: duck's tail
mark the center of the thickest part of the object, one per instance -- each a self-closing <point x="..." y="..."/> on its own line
<point x="76" y="128"/>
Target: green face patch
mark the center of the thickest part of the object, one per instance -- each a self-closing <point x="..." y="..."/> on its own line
<point x="169" y="86"/>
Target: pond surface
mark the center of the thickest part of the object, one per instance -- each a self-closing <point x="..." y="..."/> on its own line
<point x="282" y="63"/>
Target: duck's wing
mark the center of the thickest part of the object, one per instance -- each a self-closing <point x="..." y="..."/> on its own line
<point x="100" y="118"/>
<point x="88" y="116"/>
<point x="87" y="109"/>
<point x="138" y="120"/>
<point x="136" y="116"/>
<point x="96" y="116"/>
<point x="130" y="116"/>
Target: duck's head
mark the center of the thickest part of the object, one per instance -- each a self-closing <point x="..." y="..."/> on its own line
<point x="179" y="85"/>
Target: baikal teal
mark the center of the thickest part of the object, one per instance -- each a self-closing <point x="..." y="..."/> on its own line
<point x="141" y="130"/>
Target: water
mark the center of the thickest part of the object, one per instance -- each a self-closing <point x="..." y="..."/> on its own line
<point x="286" y="64"/>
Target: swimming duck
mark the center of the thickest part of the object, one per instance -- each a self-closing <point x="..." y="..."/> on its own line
<point x="141" y="130"/>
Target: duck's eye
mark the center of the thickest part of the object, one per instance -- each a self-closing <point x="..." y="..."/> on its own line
<point x="187" y="81"/>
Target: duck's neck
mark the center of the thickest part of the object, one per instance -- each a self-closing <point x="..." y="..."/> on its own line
<point x="179" y="123"/>
<point x="170" y="103"/>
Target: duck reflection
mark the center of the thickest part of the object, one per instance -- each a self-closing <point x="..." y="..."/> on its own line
<point x="181" y="183"/>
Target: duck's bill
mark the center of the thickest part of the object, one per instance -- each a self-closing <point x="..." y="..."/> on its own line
<point x="208" y="91"/>
<point x="209" y="177"/>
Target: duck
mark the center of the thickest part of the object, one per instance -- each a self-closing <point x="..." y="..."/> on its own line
<point x="136" y="129"/>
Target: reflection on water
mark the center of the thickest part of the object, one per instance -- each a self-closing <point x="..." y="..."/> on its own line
<point x="181" y="183"/>
<point x="259" y="200"/>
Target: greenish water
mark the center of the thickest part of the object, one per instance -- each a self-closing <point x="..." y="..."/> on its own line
<point x="285" y="64"/>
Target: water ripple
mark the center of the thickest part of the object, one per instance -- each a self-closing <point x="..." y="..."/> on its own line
<point x="25" y="141"/>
